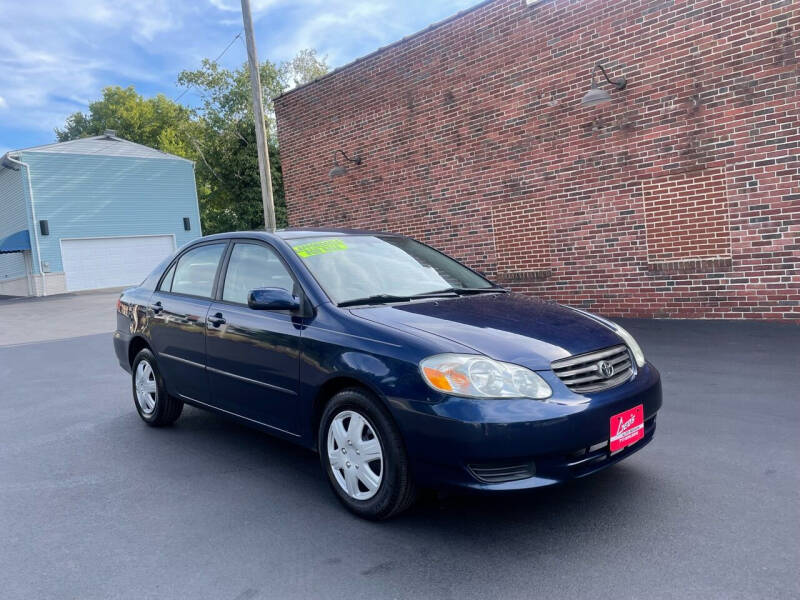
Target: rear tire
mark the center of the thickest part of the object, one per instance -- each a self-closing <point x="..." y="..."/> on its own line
<point x="154" y="405"/>
<point x="363" y="456"/>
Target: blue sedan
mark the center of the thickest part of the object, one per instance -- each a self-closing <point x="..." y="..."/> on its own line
<point x="400" y="366"/>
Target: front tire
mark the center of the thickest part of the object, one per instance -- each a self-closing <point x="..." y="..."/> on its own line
<point x="154" y="405"/>
<point x="363" y="455"/>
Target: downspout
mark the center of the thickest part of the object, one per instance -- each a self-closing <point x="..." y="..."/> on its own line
<point x="33" y="216"/>
<point x="26" y="256"/>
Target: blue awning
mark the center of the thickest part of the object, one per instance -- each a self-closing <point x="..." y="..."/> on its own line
<point x="16" y="242"/>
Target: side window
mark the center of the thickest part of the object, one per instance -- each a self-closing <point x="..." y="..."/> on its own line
<point x="194" y="274"/>
<point x="166" y="283"/>
<point x="253" y="266"/>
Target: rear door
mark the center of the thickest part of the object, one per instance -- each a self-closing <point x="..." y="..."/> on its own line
<point x="178" y="312"/>
<point x="253" y="355"/>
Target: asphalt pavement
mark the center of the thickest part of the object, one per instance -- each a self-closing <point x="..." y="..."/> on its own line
<point x="94" y="504"/>
<point x="63" y="316"/>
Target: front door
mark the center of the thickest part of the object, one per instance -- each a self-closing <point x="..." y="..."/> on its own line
<point x="253" y="355"/>
<point x="178" y="320"/>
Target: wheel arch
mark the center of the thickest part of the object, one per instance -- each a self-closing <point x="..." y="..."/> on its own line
<point x="136" y="345"/>
<point x="333" y="386"/>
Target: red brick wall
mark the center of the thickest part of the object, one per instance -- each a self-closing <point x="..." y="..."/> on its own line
<point x="679" y="198"/>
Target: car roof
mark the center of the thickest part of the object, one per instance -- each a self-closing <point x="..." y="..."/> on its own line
<point x="297" y="233"/>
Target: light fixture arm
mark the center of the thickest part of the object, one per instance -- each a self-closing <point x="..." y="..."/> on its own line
<point x="356" y="159"/>
<point x="620" y="83"/>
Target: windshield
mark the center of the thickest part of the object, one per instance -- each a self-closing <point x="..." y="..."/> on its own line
<point x="354" y="267"/>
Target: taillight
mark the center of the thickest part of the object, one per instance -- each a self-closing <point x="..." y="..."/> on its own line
<point x="119" y="304"/>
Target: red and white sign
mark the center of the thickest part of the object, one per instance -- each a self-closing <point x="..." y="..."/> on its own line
<point x="627" y="428"/>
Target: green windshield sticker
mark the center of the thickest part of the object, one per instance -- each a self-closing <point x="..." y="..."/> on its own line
<point x="323" y="247"/>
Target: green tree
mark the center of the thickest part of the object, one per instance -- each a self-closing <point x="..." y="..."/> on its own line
<point x="148" y="121"/>
<point x="219" y="134"/>
<point x="225" y="142"/>
<point x="304" y="68"/>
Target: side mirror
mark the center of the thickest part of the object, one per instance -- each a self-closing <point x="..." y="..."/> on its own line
<point x="272" y="299"/>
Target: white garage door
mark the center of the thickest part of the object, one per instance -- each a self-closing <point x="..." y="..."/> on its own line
<point x="114" y="261"/>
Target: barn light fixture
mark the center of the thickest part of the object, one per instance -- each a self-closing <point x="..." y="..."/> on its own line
<point x="342" y="169"/>
<point x="595" y="95"/>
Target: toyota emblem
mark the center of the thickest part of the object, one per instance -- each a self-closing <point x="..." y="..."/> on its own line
<point x="606" y="368"/>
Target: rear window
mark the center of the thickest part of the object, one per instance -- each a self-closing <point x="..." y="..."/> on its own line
<point x="195" y="271"/>
<point x="166" y="283"/>
<point x="152" y="280"/>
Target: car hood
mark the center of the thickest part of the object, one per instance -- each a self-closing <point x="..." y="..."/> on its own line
<point x="508" y="327"/>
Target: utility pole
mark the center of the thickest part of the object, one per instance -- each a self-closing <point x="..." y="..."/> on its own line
<point x="258" y="113"/>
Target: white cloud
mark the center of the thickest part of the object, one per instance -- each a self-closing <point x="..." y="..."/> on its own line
<point x="56" y="55"/>
<point x="343" y="30"/>
<point x="60" y="55"/>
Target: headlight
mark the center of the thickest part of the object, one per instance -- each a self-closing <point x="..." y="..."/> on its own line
<point x="638" y="355"/>
<point x="629" y="339"/>
<point x="477" y="376"/>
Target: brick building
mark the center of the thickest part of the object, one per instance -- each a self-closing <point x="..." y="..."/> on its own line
<point x="678" y="198"/>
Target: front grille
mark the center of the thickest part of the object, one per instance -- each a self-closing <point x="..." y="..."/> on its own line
<point x="595" y="371"/>
<point x="499" y="473"/>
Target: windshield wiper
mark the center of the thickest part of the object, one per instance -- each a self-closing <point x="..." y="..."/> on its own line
<point x="445" y="293"/>
<point x="376" y="299"/>
<point x="468" y="290"/>
<point x="387" y="298"/>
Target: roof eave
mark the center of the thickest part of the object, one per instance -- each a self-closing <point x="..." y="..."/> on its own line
<point x="43" y="149"/>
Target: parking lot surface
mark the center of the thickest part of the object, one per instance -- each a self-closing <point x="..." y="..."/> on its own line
<point x="28" y="320"/>
<point x="94" y="504"/>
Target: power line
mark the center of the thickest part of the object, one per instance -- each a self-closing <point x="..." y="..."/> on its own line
<point x="236" y="37"/>
<point x="221" y="54"/>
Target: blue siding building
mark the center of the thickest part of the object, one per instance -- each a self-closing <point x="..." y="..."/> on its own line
<point x="91" y="213"/>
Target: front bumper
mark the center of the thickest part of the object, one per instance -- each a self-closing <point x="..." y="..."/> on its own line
<point x="448" y="441"/>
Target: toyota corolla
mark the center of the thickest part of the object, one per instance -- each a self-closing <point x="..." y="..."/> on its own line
<point x="400" y="366"/>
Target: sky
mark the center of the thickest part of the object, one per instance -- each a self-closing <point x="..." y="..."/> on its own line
<point x="57" y="55"/>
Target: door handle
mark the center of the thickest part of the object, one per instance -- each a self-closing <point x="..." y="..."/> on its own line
<point x="217" y="320"/>
<point x="157" y="308"/>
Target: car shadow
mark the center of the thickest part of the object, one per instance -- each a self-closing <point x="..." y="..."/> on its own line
<point x="577" y="506"/>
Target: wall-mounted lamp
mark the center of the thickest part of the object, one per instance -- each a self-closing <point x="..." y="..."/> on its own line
<point x="44" y="227"/>
<point x="341" y="169"/>
<point x="595" y="95"/>
<point x="187" y="224"/>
